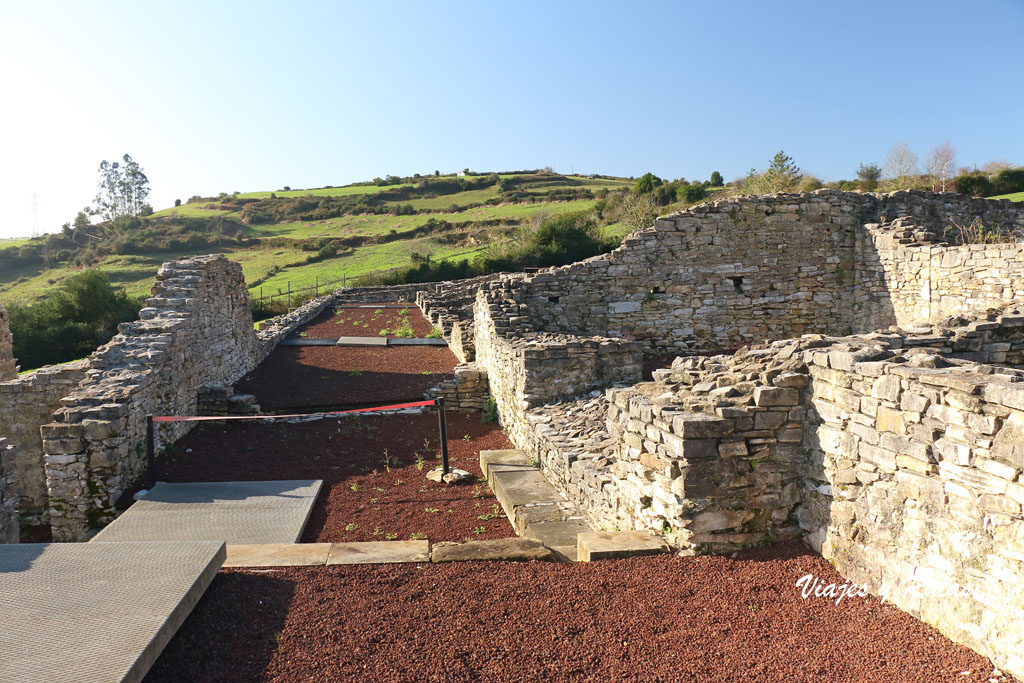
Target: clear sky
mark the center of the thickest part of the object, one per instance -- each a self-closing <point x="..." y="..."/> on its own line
<point x="221" y="96"/>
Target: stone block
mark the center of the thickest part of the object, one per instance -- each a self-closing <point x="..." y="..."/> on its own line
<point x="776" y="396"/>
<point x="608" y="545"/>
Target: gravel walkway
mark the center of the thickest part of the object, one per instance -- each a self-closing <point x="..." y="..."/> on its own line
<point x="646" y="619"/>
<point x="365" y="322"/>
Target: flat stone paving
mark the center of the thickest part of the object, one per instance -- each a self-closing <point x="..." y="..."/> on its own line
<point x="235" y="512"/>
<point x="96" y="612"/>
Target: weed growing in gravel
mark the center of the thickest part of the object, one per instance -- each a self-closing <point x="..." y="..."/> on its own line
<point x="466" y="437"/>
<point x="435" y="333"/>
<point x="480" y="530"/>
<point x="494" y="513"/>
<point x="404" y="330"/>
<point x="403" y="312"/>
<point x="354" y="487"/>
<point x="419" y="461"/>
<point x="398" y="482"/>
<point x="387" y="463"/>
<point x="351" y="526"/>
<point x="378" y="312"/>
<point x="355" y="373"/>
<point x="477" y="493"/>
<point x="377" y="531"/>
<point x="417" y="536"/>
<point x="426" y="372"/>
<point x="373" y="501"/>
<point x="431" y="510"/>
<point x="378" y="489"/>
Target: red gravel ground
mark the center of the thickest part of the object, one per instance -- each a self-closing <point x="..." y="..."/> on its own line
<point x="364" y="322"/>
<point x="650" y="619"/>
<point x="318" y="376"/>
<point x="367" y="495"/>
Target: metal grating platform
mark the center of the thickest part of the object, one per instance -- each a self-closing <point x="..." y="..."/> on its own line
<point x="235" y="512"/>
<point x="96" y="611"/>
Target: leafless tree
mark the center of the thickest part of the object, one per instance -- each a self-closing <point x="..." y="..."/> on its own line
<point x="941" y="165"/>
<point x="993" y="167"/>
<point x="901" y="166"/>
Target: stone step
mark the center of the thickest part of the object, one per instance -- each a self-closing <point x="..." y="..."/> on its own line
<point x="532" y="505"/>
<point x="495" y="550"/>
<point x="510" y="456"/>
<point x="320" y="554"/>
<point x="606" y="545"/>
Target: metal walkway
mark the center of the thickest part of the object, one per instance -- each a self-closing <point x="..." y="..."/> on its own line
<point x="234" y="512"/>
<point x="96" y="611"/>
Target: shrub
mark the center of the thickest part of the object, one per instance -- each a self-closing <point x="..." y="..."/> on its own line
<point x="973" y="184"/>
<point x="1008" y="180"/>
<point x="71" y="322"/>
<point x="693" y="193"/>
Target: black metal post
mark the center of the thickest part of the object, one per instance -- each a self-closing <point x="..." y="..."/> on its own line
<point x="439" y="402"/>
<point x="150" y="453"/>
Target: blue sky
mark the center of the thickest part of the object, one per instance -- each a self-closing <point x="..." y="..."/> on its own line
<point x="221" y="96"/>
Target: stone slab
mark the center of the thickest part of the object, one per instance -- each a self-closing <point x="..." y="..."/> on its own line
<point x="96" y="611"/>
<point x="523" y="487"/>
<point x="415" y="341"/>
<point x="362" y="341"/>
<point x="379" y="552"/>
<point x="508" y="456"/>
<point x="605" y="545"/>
<point x="558" y="534"/>
<point x="277" y="555"/>
<point x="499" y="549"/>
<point x="237" y="513"/>
<point x="300" y="341"/>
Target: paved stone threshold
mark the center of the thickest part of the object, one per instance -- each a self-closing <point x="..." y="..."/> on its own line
<point x="233" y="512"/>
<point x="537" y="511"/>
<point x="96" y="611"/>
<point x="363" y="341"/>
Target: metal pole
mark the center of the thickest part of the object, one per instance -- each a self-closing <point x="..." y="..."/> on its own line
<point x="439" y="402"/>
<point x="150" y="453"/>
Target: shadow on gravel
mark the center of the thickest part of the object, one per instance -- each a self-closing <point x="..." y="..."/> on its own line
<point x="232" y="633"/>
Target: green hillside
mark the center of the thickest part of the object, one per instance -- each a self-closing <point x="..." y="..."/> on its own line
<point x="296" y="238"/>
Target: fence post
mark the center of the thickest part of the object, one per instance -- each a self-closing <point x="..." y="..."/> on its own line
<point x="289" y="294"/>
<point x="444" y="434"/>
<point x="150" y="453"/>
<point x="343" y="276"/>
<point x="317" y="292"/>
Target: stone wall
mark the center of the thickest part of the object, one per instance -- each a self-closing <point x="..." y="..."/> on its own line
<point x="469" y="390"/>
<point x="8" y="369"/>
<point x="26" y="403"/>
<point x="748" y="269"/>
<point x="9" y="527"/>
<point x="196" y="329"/>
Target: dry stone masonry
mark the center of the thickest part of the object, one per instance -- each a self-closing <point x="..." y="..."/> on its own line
<point x="8" y="370"/>
<point x="9" y="525"/>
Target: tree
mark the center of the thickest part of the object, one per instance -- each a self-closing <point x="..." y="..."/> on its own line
<point x="901" y="166"/>
<point x="782" y="174"/>
<point x="646" y="183"/>
<point x="869" y="175"/>
<point x="941" y="162"/>
<point x="639" y="211"/>
<point x="123" y="190"/>
<point x="716" y="179"/>
<point x="82" y="220"/>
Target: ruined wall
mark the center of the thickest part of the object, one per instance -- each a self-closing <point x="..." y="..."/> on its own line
<point x="8" y="370"/>
<point x="469" y="390"/>
<point x="526" y="368"/>
<point x="9" y="527"/>
<point x="913" y="490"/>
<point x="196" y="329"/>
<point x="748" y="269"/>
<point x="26" y="403"/>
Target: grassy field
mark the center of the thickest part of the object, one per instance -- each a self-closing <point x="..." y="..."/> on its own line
<point x="273" y="266"/>
<point x="1015" y="197"/>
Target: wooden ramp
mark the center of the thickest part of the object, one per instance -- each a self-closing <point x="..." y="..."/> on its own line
<point x="233" y="512"/>
<point x="98" y="612"/>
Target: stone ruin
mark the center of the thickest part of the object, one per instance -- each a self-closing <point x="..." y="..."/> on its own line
<point x="832" y="369"/>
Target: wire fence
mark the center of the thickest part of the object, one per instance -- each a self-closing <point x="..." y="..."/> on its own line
<point x="266" y="300"/>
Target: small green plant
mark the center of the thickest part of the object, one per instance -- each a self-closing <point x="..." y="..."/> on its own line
<point x="354" y="487"/>
<point x="398" y="482"/>
<point x="373" y="501"/>
<point x="355" y="373"/>
<point x="534" y="462"/>
<point x="351" y="526"/>
<point x="466" y="437"/>
<point x="390" y="537"/>
<point x="426" y="372"/>
<point x="431" y="510"/>
<point x="419" y="461"/>
<point x="490" y="411"/>
<point x="480" y="530"/>
<point x="417" y="536"/>
<point x="404" y="330"/>
<point x="435" y="333"/>
<point x="383" y="332"/>
<point x="387" y="464"/>
<point x="377" y="531"/>
<point x="494" y="513"/>
<point x="403" y="312"/>
<point x="377" y="312"/>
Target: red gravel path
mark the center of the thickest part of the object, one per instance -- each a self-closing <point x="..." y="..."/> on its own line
<point x="364" y="322"/>
<point x="365" y="497"/>
<point x="664" y="618"/>
<point x="308" y="376"/>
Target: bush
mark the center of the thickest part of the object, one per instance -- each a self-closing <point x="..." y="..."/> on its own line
<point x="1008" y="180"/>
<point x="693" y="193"/>
<point x="973" y="184"/>
<point x="82" y="314"/>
